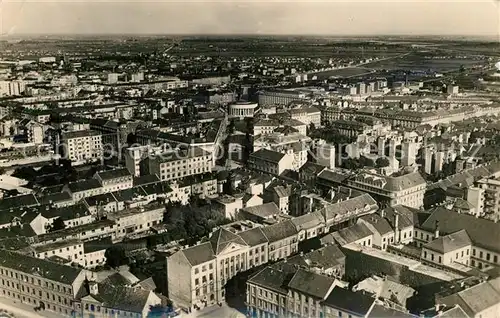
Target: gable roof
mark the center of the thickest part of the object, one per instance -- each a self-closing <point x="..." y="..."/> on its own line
<point x="34" y="266"/>
<point x="279" y="231"/>
<point x="482" y="232"/>
<point x="351" y="234"/>
<point x="273" y="278"/>
<point x="253" y="237"/>
<point x="450" y="242"/>
<point x="122" y="298"/>
<point x="199" y="254"/>
<point x="265" y="210"/>
<point x="113" y="174"/>
<point x="380" y="224"/>
<point x="352" y="302"/>
<point x="477" y="298"/>
<point x="268" y="155"/>
<point x="222" y="238"/>
<point x="311" y="284"/>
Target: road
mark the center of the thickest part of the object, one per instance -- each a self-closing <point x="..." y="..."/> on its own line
<point x="19" y="310"/>
<point x="358" y="65"/>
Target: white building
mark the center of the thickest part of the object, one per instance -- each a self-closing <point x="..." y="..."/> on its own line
<point x="307" y="115"/>
<point x="242" y="109"/>
<point x="82" y="146"/>
<point x="180" y="163"/>
<point x="279" y="97"/>
<point x="271" y="162"/>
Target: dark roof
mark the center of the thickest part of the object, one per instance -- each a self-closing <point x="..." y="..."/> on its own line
<point x="279" y="231"/>
<point x="222" y="238"/>
<point x="34" y="266"/>
<point x="332" y="176"/>
<point x="16" y="231"/>
<point x="18" y="201"/>
<point x="54" y="198"/>
<point x="265" y="210"/>
<point x="272" y="278"/>
<point x="129" y="194"/>
<point x="450" y="242"/>
<point x="326" y="257"/>
<point x="79" y="134"/>
<point x="84" y="185"/>
<point x="97" y="245"/>
<point x="117" y="279"/>
<point x="483" y="233"/>
<point x="253" y="237"/>
<point x="311" y="284"/>
<point x="66" y="213"/>
<point x="114" y="174"/>
<point x="199" y="254"/>
<point x="352" y="234"/>
<point x="352" y="302"/>
<point x="156" y="188"/>
<point x="406" y="216"/>
<point x="268" y="155"/>
<point x="379" y="311"/>
<point x="147" y="179"/>
<point x="99" y="199"/>
<point x="122" y="298"/>
<point x="380" y="224"/>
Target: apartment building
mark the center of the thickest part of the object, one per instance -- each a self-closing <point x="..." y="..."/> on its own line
<point x="485" y="198"/>
<point x="407" y="190"/>
<point x="68" y="251"/>
<point x="279" y="97"/>
<point x="35" y="282"/>
<point x="293" y="143"/>
<point x="448" y="249"/>
<point x="268" y="126"/>
<point x="114" y="180"/>
<point x="300" y="296"/>
<point x="307" y="115"/>
<point x="82" y="146"/>
<point x="180" y="163"/>
<point x="483" y="234"/>
<point x="197" y="275"/>
<point x="271" y="162"/>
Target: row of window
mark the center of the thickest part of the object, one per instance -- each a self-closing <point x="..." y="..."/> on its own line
<point x="32" y="281"/>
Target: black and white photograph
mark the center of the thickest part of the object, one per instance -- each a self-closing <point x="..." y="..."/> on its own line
<point x="250" y="158"/>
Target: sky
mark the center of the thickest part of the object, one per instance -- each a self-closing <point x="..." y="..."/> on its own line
<point x="302" y="17"/>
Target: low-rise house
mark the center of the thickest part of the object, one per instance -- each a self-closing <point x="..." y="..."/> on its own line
<point x="393" y="294"/>
<point x="271" y="162"/>
<point x="448" y="249"/>
<point x="343" y="302"/>
<point x="328" y="260"/>
<point x="480" y="300"/>
<point x="39" y="283"/>
<point x="94" y="252"/>
<point x="282" y="238"/>
<point x="117" y="301"/>
<point x="264" y="213"/>
<point x="357" y="234"/>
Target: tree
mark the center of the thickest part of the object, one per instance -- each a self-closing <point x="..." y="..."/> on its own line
<point x="115" y="256"/>
<point x="366" y="162"/>
<point x="382" y="162"/>
<point x="58" y="225"/>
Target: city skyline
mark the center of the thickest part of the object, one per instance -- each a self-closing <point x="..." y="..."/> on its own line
<point x="356" y="18"/>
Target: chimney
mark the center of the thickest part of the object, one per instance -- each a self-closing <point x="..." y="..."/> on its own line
<point x="436" y="230"/>
<point x="382" y="213"/>
<point x="396" y="222"/>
